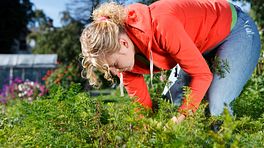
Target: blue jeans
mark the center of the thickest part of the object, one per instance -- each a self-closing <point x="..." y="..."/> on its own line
<point x="241" y="50"/>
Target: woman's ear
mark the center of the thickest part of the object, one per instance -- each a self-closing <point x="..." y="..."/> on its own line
<point x="126" y="43"/>
<point x="123" y="42"/>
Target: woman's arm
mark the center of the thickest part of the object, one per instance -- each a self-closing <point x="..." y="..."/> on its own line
<point x="136" y="87"/>
<point x="173" y="38"/>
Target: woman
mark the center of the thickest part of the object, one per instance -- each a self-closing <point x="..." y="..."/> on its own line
<point x="142" y="39"/>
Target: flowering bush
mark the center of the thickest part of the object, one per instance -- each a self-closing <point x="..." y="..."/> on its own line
<point x="72" y="118"/>
<point x="63" y="75"/>
<point x="28" y="90"/>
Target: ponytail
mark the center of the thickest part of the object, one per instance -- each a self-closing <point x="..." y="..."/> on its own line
<point x="100" y="39"/>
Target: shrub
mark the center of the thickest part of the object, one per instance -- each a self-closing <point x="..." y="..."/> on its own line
<point x="68" y="118"/>
<point x="251" y="102"/>
<point x="19" y="89"/>
<point x="64" y="75"/>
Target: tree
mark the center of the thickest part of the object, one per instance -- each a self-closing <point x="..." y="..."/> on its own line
<point x="40" y="21"/>
<point x="62" y="41"/>
<point x="66" y="18"/>
<point x="15" y="15"/>
<point x="81" y="9"/>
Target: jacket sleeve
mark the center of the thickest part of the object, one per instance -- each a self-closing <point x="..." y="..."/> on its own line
<point x="173" y="38"/>
<point x="137" y="88"/>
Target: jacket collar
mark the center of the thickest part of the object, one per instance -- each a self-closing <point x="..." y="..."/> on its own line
<point x="139" y="28"/>
<point x="139" y="17"/>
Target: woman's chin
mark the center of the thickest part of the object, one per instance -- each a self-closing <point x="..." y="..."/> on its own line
<point x="130" y="68"/>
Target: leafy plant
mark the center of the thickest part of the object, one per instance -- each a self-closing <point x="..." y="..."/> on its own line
<point x="63" y="75"/>
<point x="250" y="102"/>
<point x="219" y="66"/>
<point x="19" y="89"/>
<point x="70" y="118"/>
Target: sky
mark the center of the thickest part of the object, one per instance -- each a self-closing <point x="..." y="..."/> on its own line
<point x="52" y="8"/>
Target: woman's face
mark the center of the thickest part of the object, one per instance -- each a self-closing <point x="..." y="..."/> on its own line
<point x="123" y="60"/>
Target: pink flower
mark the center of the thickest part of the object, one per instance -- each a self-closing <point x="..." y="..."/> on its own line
<point x="30" y="93"/>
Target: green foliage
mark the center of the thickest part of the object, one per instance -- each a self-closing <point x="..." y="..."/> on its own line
<point x="62" y="41"/>
<point x="258" y="15"/>
<point x="260" y="66"/>
<point x="63" y="75"/>
<point x="258" y="7"/>
<point x="40" y="21"/>
<point x="251" y="102"/>
<point x="225" y="137"/>
<point x="159" y="81"/>
<point x="187" y="94"/>
<point x="219" y="66"/>
<point x="68" y="118"/>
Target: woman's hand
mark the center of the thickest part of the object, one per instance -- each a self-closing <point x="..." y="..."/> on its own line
<point x="178" y="119"/>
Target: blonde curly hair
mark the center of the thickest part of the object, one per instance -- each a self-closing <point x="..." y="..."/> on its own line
<point x="100" y="39"/>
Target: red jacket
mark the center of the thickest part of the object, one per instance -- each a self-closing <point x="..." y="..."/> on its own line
<point x="176" y="32"/>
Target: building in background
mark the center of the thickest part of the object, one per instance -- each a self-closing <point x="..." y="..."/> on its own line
<point x="31" y="67"/>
